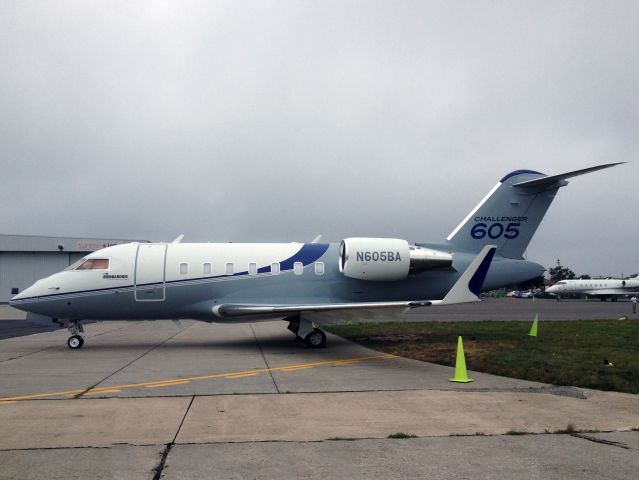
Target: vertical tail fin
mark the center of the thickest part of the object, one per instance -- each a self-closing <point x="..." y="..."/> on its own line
<point x="509" y="215"/>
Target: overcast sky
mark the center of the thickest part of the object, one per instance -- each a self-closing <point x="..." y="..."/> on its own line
<point x="277" y="121"/>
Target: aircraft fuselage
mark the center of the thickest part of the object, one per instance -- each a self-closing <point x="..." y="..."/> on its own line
<point x="166" y="281"/>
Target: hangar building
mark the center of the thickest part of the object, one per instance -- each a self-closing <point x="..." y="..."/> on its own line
<point x="27" y="258"/>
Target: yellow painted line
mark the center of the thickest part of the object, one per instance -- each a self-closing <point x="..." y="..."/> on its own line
<point x="168" y="384"/>
<point x="8" y="401"/>
<point x="98" y="392"/>
<point x="69" y="393"/>
<point x="179" y="381"/>
<point x="242" y="375"/>
<point x="104" y="389"/>
<point x="348" y="362"/>
<point x="164" y="382"/>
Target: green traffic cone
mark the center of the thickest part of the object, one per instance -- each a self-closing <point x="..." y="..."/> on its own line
<point x="533" y="329"/>
<point x="461" y="375"/>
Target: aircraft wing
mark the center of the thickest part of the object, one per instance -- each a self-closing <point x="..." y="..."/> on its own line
<point x="466" y="289"/>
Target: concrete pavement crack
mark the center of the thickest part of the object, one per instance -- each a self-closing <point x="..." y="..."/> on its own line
<point x="264" y="357"/>
<point x="169" y="446"/>
<point x="600" y="440"/>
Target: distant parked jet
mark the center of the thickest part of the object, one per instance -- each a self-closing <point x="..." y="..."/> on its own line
<point x="235" y="282"/>
<point x="596" y="287"/>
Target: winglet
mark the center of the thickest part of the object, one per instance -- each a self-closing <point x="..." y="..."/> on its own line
<point x="178" y="239"/>
<point x="317" y="239"/>
<point x="468" y="286"/>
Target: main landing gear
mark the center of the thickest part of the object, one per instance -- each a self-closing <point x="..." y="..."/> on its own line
<point x="304" y="330"/>
<point x="76" y="340"/>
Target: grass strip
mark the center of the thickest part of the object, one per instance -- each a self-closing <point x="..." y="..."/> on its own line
<point x="564" y="352"/>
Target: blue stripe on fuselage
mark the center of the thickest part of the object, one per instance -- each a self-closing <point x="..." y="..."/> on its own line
<point x="308" y="254"/>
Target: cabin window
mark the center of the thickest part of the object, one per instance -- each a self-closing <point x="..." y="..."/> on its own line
<point x="229" y="268"/>
<point x="184" y="268"/>
<point x="252" y="268"/>
<point x="298" y="268"/>
<point x="275" y="268"/>
<point x="94" y="264"/>
<point x="206" y="269"/>
<point x="319" y="268"/>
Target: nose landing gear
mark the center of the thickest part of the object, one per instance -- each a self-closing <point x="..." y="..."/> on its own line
<point x="76" y="340"/>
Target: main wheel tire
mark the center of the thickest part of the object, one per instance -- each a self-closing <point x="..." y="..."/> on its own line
<point x="316" y="339"/>
<point x="75" y="342"/>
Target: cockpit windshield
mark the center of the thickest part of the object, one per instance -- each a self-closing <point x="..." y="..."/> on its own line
<point x="561" y="283"/>
<point x="90" y="264"/>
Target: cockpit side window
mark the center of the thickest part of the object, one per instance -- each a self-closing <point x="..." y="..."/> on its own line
<point x="76" y="264"/>
<point x="94" y="264"/>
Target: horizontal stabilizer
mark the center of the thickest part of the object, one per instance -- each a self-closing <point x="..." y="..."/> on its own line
<point x="553" y="179"/>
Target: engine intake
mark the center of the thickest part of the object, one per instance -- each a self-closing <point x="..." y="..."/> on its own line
<point x="387" y="259"/>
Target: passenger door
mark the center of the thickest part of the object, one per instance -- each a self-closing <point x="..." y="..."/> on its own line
<point x="150" y="273"/>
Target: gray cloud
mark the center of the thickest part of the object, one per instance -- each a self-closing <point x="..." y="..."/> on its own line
<point x="275" y="121"/>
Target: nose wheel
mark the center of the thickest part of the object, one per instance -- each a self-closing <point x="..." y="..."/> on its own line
<point x="76" y="340"/>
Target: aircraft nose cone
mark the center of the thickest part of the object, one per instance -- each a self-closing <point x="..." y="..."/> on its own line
<point x="26" y="293"/>
<point x="14" y="302"/>
<point x="13" y="299"/>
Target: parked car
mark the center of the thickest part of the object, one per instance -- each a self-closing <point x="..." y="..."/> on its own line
<point x="525" y="293"/>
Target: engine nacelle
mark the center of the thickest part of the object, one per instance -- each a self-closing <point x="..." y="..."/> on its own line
<point x="387" y="259"/>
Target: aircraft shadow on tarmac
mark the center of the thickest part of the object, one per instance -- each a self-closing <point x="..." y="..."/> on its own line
<point x="283" y="345"/>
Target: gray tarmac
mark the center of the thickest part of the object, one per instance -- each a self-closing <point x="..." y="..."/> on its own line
<point x="151" y="399"/>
